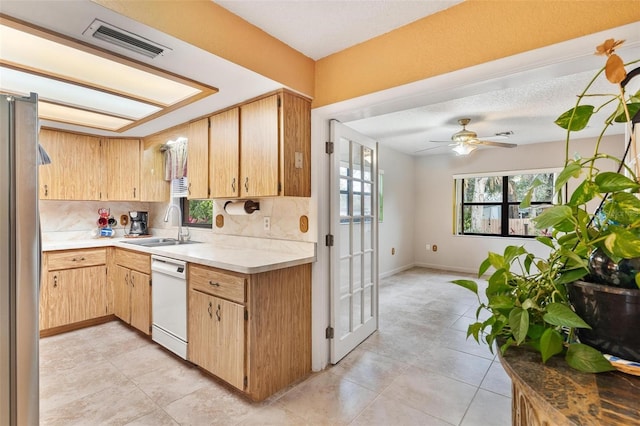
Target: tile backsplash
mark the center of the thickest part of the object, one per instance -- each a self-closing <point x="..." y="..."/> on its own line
<point x="75" y="220"/>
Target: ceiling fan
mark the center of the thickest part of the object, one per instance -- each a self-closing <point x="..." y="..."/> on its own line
<point x="466" y="141"/>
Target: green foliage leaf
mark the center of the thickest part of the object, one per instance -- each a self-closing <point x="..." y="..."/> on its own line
<point x="468" y="284"/>
<point x="622" y="208"/>
<point x="621" y="117"/>
<point x="553" y="216"/>
<point x="501" y="301"/>
<point x="587" y="359"/>
<point x="497" y="261"/>
<point x="511" y="252"/>
<point x="484" y="267"/>
<point x="519" y="324"/>
<point x="576" y="118"/>
<point x="498" y="283"/>
<point x="572" y="275"/>
<point x="623" y="243"/>
<point x="572" y="169"/>
<point x="546" y="241"/>
<point x="562" y="315"/>
<point x="550" y="344"/>
<point x="535" y="331"/>
<point x="584" y="193"/>
<point x="612" y="182"/>
<point x="474" y="330"/>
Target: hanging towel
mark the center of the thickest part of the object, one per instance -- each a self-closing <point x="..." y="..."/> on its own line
<point x="175" y="159"/>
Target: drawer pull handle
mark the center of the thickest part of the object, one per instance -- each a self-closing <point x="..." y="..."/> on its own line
<point x="77" y="260"/>
<point x="55" y="281"/>
<point x="214" y="284"/>
<point x="246" y="184"/>
<point x="233" y="185"/>
<point x="210" y="310"/>
<point x="46" y="190"/>
<point x="218" y="313"/>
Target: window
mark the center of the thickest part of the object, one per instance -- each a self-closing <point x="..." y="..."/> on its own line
<point x="197" y="213"/>
<point x="490" y="204"/>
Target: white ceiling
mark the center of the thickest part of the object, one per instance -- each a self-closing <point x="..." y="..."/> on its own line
<point x="319" y="28"/>
<point x="523" y="94"/>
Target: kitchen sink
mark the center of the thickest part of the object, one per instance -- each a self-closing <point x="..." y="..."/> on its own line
<point x="160" y="242"/>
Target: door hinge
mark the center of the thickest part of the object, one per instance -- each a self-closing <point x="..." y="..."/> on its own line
<point x="245" y="382"/>
<point x="279" y="102"/>
<point x="328" y="240"/>
<point x="246" y="315"/>
<point x="149" y="282"/>
<point x="279" y="187"/>
<point x="329" y="332"/>
<point x="328" y="147"/>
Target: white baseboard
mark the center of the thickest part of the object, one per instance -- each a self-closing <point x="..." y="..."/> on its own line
<point x="396" y="270"/>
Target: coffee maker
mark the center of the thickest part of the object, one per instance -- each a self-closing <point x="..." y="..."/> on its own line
<point x="138" y="223"/>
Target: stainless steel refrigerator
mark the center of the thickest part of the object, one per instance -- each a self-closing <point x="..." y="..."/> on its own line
<point x="19" y="261"/>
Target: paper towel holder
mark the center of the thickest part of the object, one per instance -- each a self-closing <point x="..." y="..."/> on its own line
<point x="249" y="206"/>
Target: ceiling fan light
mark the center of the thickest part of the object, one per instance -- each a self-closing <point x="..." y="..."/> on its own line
<point x="463" y="149"/>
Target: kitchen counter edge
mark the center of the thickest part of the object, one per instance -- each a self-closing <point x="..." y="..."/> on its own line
<point x="236" y="259"/>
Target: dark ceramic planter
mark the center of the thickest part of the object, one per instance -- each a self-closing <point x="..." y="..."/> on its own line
<point x="614" y="315"/>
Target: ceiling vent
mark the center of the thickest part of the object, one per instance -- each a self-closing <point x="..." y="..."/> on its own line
<point x="125" y="39"/>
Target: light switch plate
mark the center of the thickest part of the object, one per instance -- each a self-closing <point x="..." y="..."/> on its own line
<point x="298" y="160"/>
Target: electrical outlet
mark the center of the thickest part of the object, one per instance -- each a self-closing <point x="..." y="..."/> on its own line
<point x="267" y="223"/>
<point x="435" y="248"/>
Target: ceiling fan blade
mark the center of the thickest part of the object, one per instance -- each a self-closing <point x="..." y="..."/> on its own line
<point x="491" y="143"/>
<point x="449" y="141"/>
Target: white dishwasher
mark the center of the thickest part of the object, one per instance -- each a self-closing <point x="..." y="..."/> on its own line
<point x="169" y="304"/>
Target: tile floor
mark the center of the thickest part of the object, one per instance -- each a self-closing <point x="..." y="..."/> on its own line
<point x="418" y="369"/>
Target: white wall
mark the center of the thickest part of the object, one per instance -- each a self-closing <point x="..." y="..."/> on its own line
<point x="433" y="221"/>
<point x="396" y="230"/>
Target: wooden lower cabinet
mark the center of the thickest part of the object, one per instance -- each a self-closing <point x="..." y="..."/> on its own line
<point x="217" y="327"/>
<point x="131" y="278"/>
<point x="251" y="330"/>
<point x="73" y="287"/>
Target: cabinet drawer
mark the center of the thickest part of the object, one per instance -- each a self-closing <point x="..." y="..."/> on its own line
<point x="70" y="259"/>
<point x="140" y="262"/>
<point x="217" y="283"/>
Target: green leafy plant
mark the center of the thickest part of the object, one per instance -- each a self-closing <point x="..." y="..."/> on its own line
<point x="526" y="299"/>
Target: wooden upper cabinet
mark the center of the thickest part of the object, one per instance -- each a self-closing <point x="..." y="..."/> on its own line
<point x="198" y="159"/>
<point x="73" y="173"/>
<point x="295" y="160"/>
<point x="153" y="187"/>
<point x="259" y="147"/>
<point x="224" y="154"/>
<point x="121" y="159"/>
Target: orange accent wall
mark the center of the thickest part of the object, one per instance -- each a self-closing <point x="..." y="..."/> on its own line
<point x="470" y="33"/>
<point x="210" y="27"/>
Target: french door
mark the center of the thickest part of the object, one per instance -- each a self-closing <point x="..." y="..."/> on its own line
<point x="354" y="227"/>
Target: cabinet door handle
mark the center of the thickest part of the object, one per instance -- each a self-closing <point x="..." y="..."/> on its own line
<point x="134" y="192"/>
<point x="210" y="309"/>
<point x="246" y="184"/>
<point x="133" y="284"/>
<point x="214" y="284"/>
<point x="189" y="188"/>
<point x="55" y="281"/>
<point x="233" y="185"/>
<point x="46" y="190"/>
<point x="126" y="279"/>
<point x="218" y="312"/>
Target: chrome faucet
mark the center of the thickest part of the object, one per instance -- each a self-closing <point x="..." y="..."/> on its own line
<point x="181" y="238"/>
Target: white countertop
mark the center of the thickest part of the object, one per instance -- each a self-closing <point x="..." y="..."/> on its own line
<point x="253" y="256"/>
